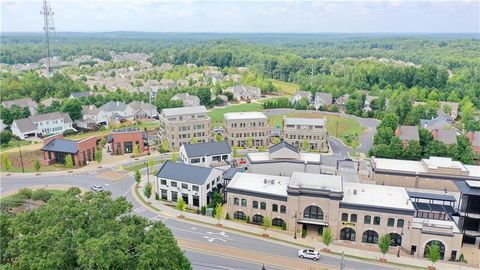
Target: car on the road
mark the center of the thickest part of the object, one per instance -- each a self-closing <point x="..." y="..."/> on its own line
<point x="97" y="188"/>
<point x="309" y="254"/>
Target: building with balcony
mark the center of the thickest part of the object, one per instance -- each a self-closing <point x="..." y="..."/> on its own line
<point x="313" y="131"/>
<point x="240" y="127"/>
<point x="208" y="154"/>
<point x="469" y="211"/>
<point x="358" y="214"/>
<point x="194" y="184"/>
<point x="181" y="125"/>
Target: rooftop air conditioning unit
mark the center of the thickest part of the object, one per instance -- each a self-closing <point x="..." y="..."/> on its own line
<point x="354" y="192"/>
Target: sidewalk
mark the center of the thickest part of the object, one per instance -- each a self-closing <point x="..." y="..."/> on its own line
<point x="287" y="237"/>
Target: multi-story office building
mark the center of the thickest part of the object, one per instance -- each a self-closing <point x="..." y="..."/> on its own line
<point x="358" y="214"/>
<point x="298" y="131"/>
<point x="181" y="125"/>
<point x="193" y="183"/>
<point x="469" y="211"/>
<point x="243" y="126"/>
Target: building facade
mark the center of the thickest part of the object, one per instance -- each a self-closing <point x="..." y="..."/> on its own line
<point x="313" y="131"/>
<point x="55" y="149"/>
<point x="123" y="141"/>
<point x="41" y="125"/>
<point x="240" y="127"/>
<point x="358" y="214"/>
<point x="181" y="125"/>
<point x="193" y="184"/>
<point x="209" y="154"/>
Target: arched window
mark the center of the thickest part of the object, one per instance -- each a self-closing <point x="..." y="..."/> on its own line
<point x="313" y="212"/>
<point x="400" y="223"/>
<point x="283" y="209"/>
<point x="396" y="239"/>
<point x="370" y="237"/>
<point x="344" y="217"/>
<point x="244" y="202"/>
<point x="275" y="207"/>
<point x="255" y="204"/>
<point x="353" y="218"/>
<point x="277" y="222"/>
<point x="347" y="234"/>
<point x="391" y="222"/>
<point x="236" y="201"/>
<point x="440" y="244"/>
<point x="376" y="221"/>
<point x="367" y="219"/>
<point x="239" y="215"/>
<point x="257" y="219"/>
<point x="263" y="205"/>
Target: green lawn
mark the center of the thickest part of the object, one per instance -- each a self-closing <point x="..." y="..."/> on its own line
<point x="285" y="87"/>
<point x="14" y="143"/>
<point x="30" y="169"/>
<point x="140" y="166"/>
<point x="345" y="125"/>
<point x="217" y="113"/>
<point x="18" y="199"/>
<point x="99" y="133"/>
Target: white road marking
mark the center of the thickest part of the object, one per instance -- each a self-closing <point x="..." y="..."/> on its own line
<point x="107" y="184"/>
<point x="138" y="210"/>
<point x="212" y="239"/>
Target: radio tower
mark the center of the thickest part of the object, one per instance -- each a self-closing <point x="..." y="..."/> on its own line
<point x="47" y="27"/>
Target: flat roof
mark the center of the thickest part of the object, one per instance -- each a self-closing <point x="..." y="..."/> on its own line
<point x="316" y="181"/>
<point x="260" y="183"/>
<point x="244" y="115"/>
<point x="184" y="111"/>
<point x="431" y="196"/>
<point x="473" y="184"/>
<point x="376" y="196"/>
<point x="265" y="156"/>
<point x="305" y="121"/>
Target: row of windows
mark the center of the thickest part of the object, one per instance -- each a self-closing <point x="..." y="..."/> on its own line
<point x="246" y="135"/>
<point x="301" y="137"/>
<point x="263" y="205"/>
<point x="164" y="182"/>
<point x="376" y="220"/>
<point x="243" y="125"/>
<point x="258" y="219"/>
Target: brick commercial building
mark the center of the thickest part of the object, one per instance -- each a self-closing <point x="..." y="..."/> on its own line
<point x="240" y="126"/>
<point x="56" y="148"/>
<point x="122" y="141"/>
<point x="438" y="173"/>
<point x="357" y="214"/>
<point x="181" y="125"/>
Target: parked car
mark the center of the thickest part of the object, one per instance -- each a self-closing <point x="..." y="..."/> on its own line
<point x="96" y="188"/>
<point x="309" y="254"/>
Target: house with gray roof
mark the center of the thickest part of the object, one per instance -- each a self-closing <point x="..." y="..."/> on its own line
<point x="322" y="99"/>
<point x="446" y="136"/>
<point x="41" y="125"/>
<point x="187" y="99"/>
<point x="438" y="122"/>
<point x="80" y="95"/>
<point x="208" y="154"/>
<point x="22" y="103"/>
<point x="142" y="110"/>
<point x="474" y="139"/>
<point x="245" y="92"/>
<point x="407" y="133"/>
<point x="301" y="95"/>
<point x="194" y="184"/>
<point x="115" y="111"/>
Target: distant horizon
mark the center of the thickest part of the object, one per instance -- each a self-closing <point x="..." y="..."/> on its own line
<point x="249" y="33"/>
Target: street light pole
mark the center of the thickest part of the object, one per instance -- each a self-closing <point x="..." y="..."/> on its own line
<point x="148" y="174"/>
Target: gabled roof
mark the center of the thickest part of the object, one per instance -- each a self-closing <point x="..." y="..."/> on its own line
<point x="323" y="98"/>
<point x="80" y="94"/>
<point x="113" y="106"/>
<point x="409" y="133"/>
<point x="25" y="125"/>
<point x="90" y="110"/>
<point x="447" y="136"/>
<point x="281" y="145"/>
<point x="51" y="116"/>
<point x="438" y="122"/>
<point x="23" y="102"/>
<point x="207" y="149"/>
<point x="61" y="145"/>
<point x="140" y="105"/>
<point x="184" y="172"/>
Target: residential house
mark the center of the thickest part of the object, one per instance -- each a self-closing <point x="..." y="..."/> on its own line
<point x="240" y="127"/>
<point x="187" y="99"/>
<point x="407" y="133"/>
<point x="49" y="101"/>
<point x="122" y="141"/>
<point x="322" y="100"/>
<point x="244" y="92"/>
<point x="368" y="101"/>
<point x="446" y="136"/>
<point x="474" y="139"/>
<point x="89" y="118"/>
<point x="297" y="131"/>
<point x="194" y="184"/>
<point x="166" y="84"/>
<point x="77" y="95"/>
<point x="438" y="122"/>
<point x="142" y="110"/>
<point x="448" y="109"/>
<point x="357" y="214"/>
<point x="214" y="75"/>
<point x="56" y="148"/>
<point x="302" y="95"/>
<point x="41" y="125"/>
<point x="183" y="83"/>
<point x="341" y="102"/>
<point x="22" y="103"/>
<point x="181" y="125"/>
<point x="114" y="111"/>
<point x="208" y="154"/>
<point x="166" y="67"/>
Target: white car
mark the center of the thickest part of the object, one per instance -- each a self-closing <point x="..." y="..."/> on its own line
<point x="309" y="254"/>
<point x="97" y="188"/>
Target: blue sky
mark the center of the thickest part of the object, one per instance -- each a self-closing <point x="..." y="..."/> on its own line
<point x="406" y="16"/>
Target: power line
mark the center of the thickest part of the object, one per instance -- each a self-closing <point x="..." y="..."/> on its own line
<point x="48" y="26"/>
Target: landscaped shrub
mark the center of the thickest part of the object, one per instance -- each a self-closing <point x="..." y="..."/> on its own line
<point x="284" y="226"/>
<point x="204" y="210"/>
<point x="248" y="219"/>
<point x="227" y="217"/>
<point x="41" y="194"/>
<point x="157" y="197"/>
<point x="304" y="233"/>
<point x="25" y="193"/>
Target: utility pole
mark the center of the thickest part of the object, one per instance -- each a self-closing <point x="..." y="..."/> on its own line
<point x="21" y="158"/>
<point x="336" y="130"/>
<point x="47" y="27"/>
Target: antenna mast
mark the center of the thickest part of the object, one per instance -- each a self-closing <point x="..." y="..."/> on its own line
<point x="48" y="26"/>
